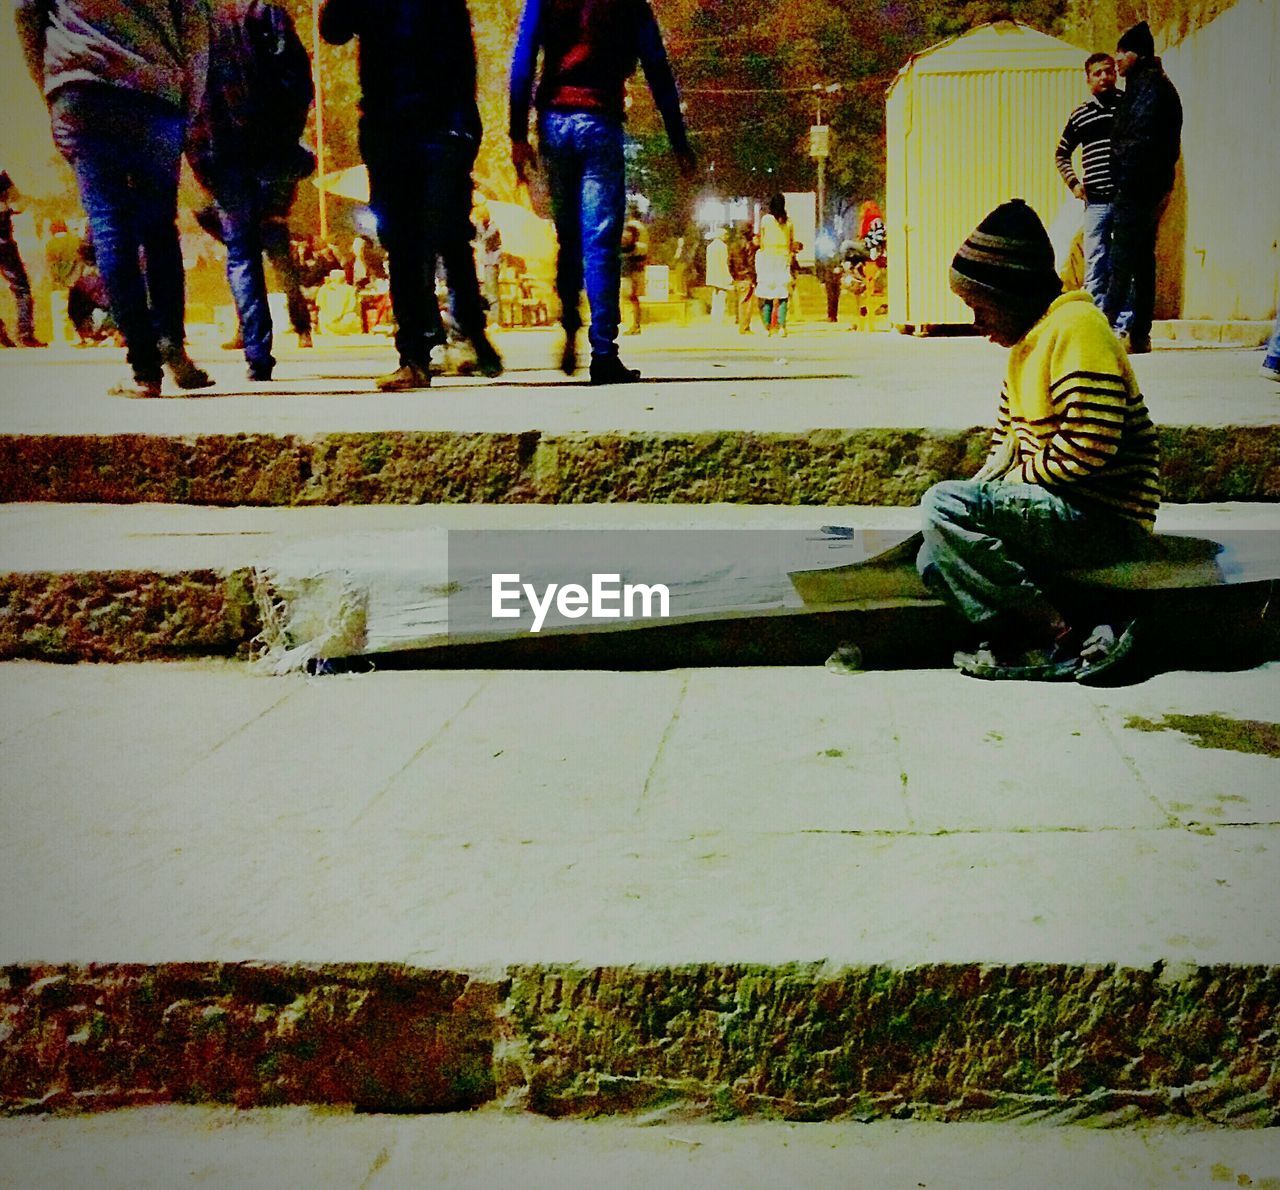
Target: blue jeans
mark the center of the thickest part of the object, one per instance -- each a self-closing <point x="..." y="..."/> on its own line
<point x="240" y="212"/>
<point x="987" y="542"/>
<point x="125" y="150"/>
<point x="587" y="174"/>
<point x="1098" y="218"/>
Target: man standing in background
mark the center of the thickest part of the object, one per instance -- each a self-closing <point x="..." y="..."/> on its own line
<point x="122" y="78"/>
<point x="15" y="272"/>
<point x="1146" y="140"/>
<point x="1089" y="127"/>
<point x="419" y="135"/>
<point x="589" y="49"/>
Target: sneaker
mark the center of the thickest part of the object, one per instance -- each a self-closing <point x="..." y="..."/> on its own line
<point x="569" y="355"/>
<point x="488" y="361"/>
<point x="1057" y="662"/>
<point x="609" y="369"/>
<point x="1270" y="371"/>
<point x="135" y="388"/>
<point x="405" y="379"/>
<point x="30" y="341"/>
<point x="185" y="373"/>
<point x="1109" y="656"/>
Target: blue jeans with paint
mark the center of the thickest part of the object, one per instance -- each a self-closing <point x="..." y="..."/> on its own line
<point x="587" y="175"/>
<point x="125" y="150"/>
<point x="986" y="542"/>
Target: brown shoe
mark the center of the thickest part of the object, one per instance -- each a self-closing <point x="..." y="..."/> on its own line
<point x="405" y="379"/>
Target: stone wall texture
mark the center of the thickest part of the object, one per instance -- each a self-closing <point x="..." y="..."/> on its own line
<point x="821" y="467"/>
<point x="800" y="1041"/>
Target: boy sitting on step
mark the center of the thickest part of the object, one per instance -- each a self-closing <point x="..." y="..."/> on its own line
<point x="1072" y="477"/>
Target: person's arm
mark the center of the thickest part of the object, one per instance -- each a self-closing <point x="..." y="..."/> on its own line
<point x="1089" y="392"/>
<point x="662" y="84"/>
<point x="1062" y="157"/>
<point x="339" y="20"/>
<point x="524" y="66"/>
<point x="32" y="20"/>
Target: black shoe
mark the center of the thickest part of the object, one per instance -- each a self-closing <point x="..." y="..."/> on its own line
<point x="184" y="372"/>
<point x="261" y="371"/>
<point x="405" y="379"/>
<point x="609" y="369"/>
<point x="488" y="361"/>
<point x="30" y="341"/>
<point x="1138" y="346"/>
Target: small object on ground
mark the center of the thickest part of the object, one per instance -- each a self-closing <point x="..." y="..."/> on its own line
<point x="609" y="369"/>
<point x="1109" y="656"/>
<point x="847" y="659"/>
<point x="405" y="379"/>
<point x="137" y="389"/>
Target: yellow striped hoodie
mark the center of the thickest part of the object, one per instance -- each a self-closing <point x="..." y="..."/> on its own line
<point x="1072" y="417"/>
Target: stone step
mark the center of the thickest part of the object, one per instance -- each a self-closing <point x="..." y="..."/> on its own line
<point x="777" y="892"/>
<point x="135" y="582"/>
<point x="824" y="417"/>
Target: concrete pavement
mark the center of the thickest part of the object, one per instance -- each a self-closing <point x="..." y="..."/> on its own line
<point x="162" y="1147"/>
<point x="473" y="820"/>
<point x="697" y="380"/>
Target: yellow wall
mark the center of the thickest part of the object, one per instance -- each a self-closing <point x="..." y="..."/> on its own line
<point x="1228" y="74"/>
<point x="970" y="124"/>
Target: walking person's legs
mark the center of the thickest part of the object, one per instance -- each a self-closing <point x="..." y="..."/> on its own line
<point x="564" y="175"/>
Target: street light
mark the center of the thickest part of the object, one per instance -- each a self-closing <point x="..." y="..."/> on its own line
<point x="820" y="145"/>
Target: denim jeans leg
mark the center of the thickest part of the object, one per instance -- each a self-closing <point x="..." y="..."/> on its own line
<point x="124" y="151"/>
<point x="564" y="175"/>
<point x="1096" y="243"/>
<point x="604" y="203"/>
<point x="241" y="223"/>
<point x="988" y="546"/>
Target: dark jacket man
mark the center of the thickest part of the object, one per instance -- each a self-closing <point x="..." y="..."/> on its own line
<point x="1145" y="143"/>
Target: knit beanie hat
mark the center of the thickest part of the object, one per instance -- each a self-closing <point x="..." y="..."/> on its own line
<point x="1138" y="40"/>
<point x="1007" y="259"/>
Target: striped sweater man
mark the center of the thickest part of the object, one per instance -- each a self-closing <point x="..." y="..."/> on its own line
<point x="1089" y="128"/>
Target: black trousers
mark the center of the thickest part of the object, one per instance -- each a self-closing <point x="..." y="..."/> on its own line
<point x="420" y="191"/>
<point x="1133" y="262"/>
